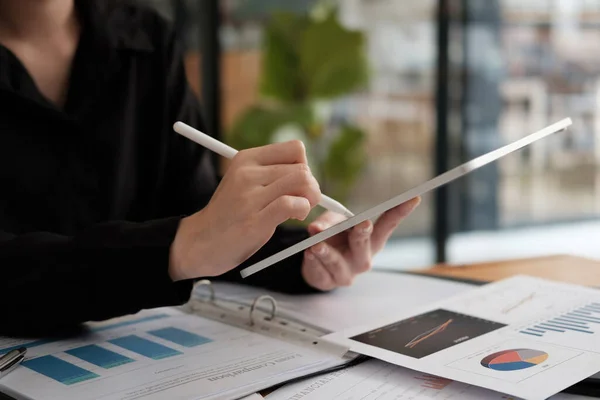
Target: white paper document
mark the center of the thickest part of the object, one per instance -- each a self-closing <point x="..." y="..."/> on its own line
<point x="157" y="354"/>
<point x="523" y="336"/>
<point x="254" y="396"/>
<point x="368" y="299"/>
<point x="377" y="380"/>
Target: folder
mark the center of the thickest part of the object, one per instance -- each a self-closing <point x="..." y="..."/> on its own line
<point x="158" y="353"/>
<point x="202" y="350"/>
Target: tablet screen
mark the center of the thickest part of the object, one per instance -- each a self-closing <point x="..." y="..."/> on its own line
<point x="428" y="186"/>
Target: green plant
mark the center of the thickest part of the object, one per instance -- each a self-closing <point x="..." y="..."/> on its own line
<point x="309" y="61"/>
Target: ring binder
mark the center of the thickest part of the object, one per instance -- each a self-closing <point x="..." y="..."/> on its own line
<point x="257" y="300"/>
<point x="210" y="286"/>
<point x="260" y="319"/>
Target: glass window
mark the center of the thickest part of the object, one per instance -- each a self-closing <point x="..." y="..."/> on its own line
<point x="526" y="65"/>
<point x="394" y="109"/>
<point x="516" y="66"/>
<point x="552" y="71"/>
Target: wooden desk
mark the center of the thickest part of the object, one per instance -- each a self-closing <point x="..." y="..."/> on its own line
<point x="567" y="269"/>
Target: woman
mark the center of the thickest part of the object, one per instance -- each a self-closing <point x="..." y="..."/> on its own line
<point x="104" y="209"/>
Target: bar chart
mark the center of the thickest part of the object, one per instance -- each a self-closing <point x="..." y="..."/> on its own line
<point x="102" y="356"/>
<point x="162" y="353"/>
<point x="583" y="320"/>
<point x="180" y="337"/>
<point x="145" y="347"/>
<point x="99" y="356"/>
<point x="59" y="370"/>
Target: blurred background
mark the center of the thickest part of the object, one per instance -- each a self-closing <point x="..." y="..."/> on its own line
<point x="387" y="94"/>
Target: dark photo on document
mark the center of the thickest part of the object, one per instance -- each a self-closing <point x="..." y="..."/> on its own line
<point x="428" y="333"/>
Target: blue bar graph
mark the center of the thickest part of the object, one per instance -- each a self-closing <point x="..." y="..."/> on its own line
<point x="565" y="328"/>
<point x="584" y="318"/>
<point x="569" y="321"/>
<point x="591" y="308"/>
<point x="531" y="333"/>
<point x="572" y="325"/>
<point x="549" y="329"/>
<point x="144" y="347"/>
<point x="577" y="319"/>
<point x="180" y="337"/>
<point x="99" y="356"/>
<point x="535" y="330"/>
<point x="581" y="311"/>
<point x="59" y="370"/>
<point x="580" y="320"/>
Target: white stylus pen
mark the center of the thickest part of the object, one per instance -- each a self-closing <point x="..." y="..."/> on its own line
<point x="229" y="152"/>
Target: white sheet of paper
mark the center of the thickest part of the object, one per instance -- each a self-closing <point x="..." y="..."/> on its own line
<point x="376" y="379"/>
<point x="523" y="336"/>
<point x="255" y="396"/>
<point x="368" y="299"/>
<point x="428" y="186"/>
<point x="158" y="354"/>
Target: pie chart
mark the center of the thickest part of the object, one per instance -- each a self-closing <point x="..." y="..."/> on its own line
<point x="513" y="360"/>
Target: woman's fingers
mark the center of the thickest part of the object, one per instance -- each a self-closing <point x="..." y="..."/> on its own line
<point x="359" y="242"/>
<point x="335" y="263"/>
<point x="389" y="221"/>
<point x="315" y="273"/>
<point x="299" y="184"/>
<point x="325" y="221"/>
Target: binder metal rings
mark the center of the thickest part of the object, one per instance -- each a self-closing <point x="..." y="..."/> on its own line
<point x="255" y="303"/>
<point x="210" y="286"/>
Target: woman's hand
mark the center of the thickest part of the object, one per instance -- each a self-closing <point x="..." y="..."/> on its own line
<point x="263" y="187"/>
<point x="338" y="260"/>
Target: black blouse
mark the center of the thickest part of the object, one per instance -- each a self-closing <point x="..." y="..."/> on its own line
<point x="91" y="195"/>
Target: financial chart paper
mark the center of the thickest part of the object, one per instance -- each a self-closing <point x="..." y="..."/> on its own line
<point x="523" y="336"/>
<point x="156" y="354"/>
<point x="377" y="380"/>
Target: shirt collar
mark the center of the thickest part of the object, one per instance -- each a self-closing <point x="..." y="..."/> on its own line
<point x="110" y="29"/>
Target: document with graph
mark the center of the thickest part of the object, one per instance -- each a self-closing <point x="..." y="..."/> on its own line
<point x="378" y="380"/>
<point x="158" y="354"/>
<point x="522" y="336"/>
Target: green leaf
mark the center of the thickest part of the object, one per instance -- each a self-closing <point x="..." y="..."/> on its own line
<point x="344" y="162"/>
<point x="281" y="76"/>
<point x="332" y="58"/>
<point x="255" y="127"/>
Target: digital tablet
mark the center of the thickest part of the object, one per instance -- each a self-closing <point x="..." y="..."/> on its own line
<point x="428" y="186"/>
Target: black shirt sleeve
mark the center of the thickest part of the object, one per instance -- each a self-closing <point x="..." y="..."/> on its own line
<point x="51" y="282"/>
<point x="191" y="170"/>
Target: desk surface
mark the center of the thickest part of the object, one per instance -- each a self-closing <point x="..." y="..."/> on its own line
<point x="567" y="269"/>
